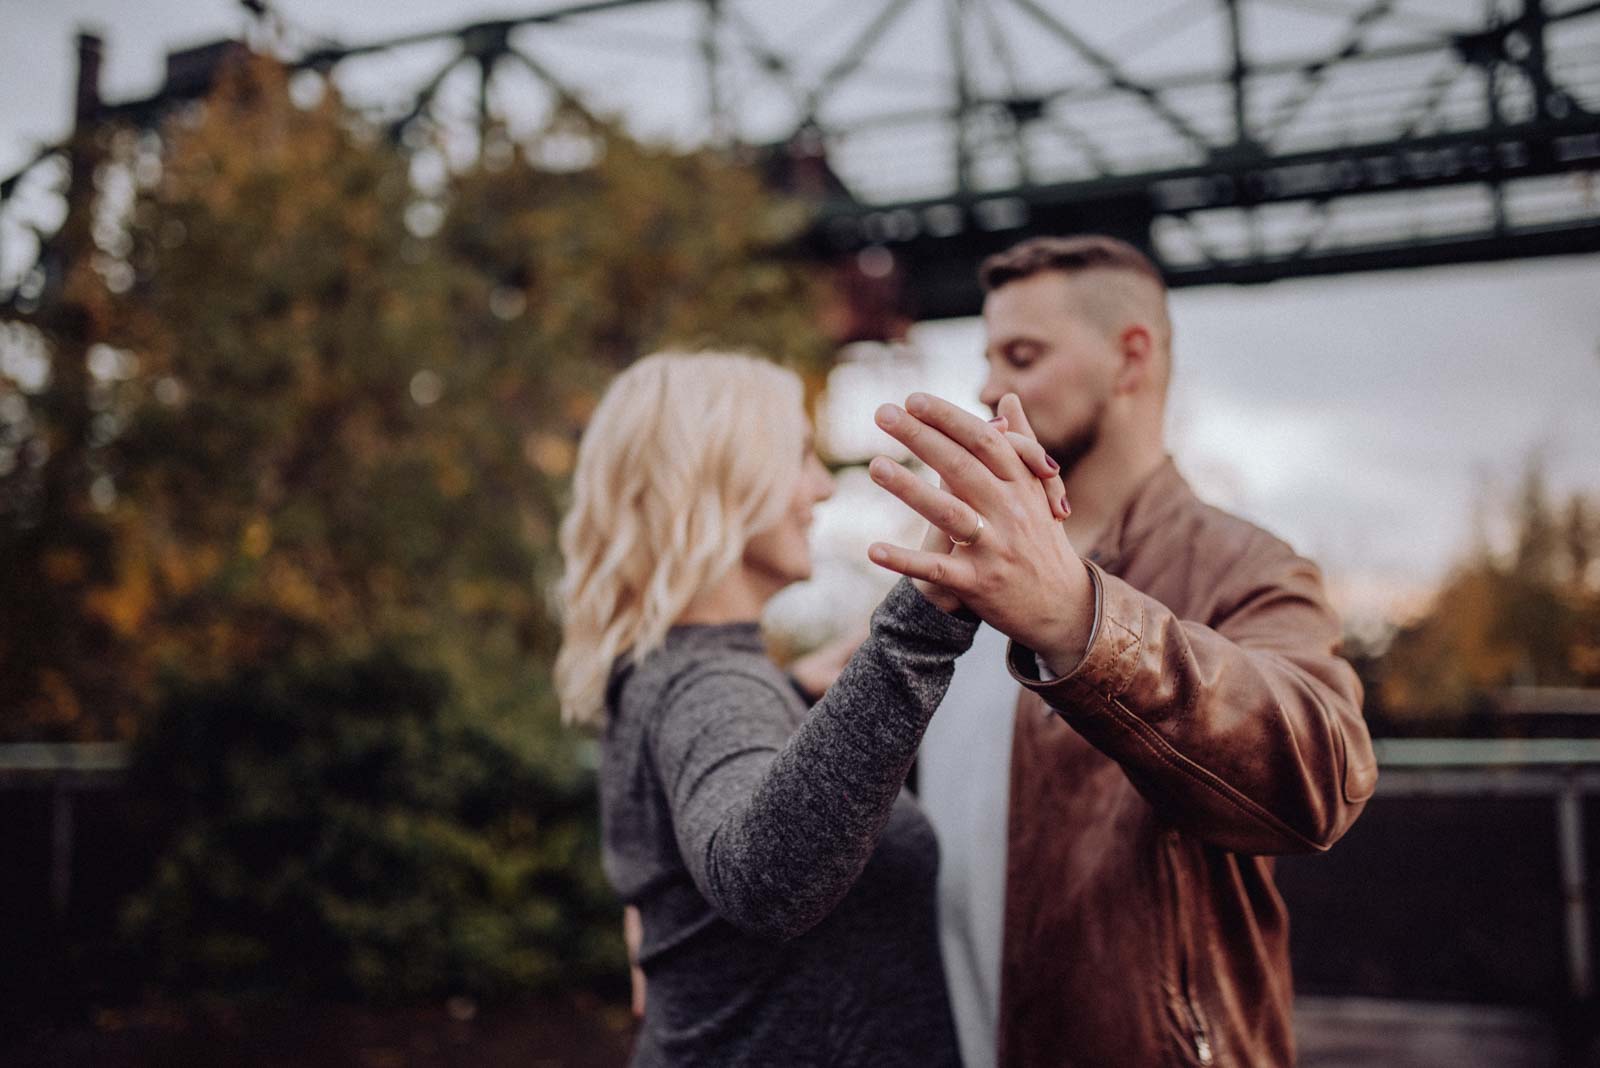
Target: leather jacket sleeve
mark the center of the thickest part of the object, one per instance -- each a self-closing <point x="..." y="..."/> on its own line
<point x="1246" y="733"/>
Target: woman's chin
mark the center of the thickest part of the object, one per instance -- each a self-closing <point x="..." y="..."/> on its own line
<point x="796" y="571"/>
<point x="795" y="574"/>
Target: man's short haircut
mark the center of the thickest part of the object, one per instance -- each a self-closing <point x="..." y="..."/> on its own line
<point x="1069" y="255"/>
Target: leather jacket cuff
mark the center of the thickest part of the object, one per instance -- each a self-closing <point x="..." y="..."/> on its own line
<point x="1109" y="660"/>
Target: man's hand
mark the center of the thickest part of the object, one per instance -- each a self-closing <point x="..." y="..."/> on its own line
<point x="1018" y="571"/>
<point x="935" y="540"/>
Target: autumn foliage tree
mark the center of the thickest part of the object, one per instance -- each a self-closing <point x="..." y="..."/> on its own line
<point x="1528" y="615"/>
<point x="334" y="409"/>
<point x="331" y="405"/>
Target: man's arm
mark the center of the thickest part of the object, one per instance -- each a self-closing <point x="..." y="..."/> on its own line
<point x="1248" y="735"/>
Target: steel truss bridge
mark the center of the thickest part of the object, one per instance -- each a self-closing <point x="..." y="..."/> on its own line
<point x="1238" y="141"/>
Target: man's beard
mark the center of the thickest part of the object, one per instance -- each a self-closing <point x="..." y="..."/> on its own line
<point x="1078" y="443"/>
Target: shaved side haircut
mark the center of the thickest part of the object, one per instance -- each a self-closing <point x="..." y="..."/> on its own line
<point x="1128" y="288"/>
<point x="1069" y="255"/>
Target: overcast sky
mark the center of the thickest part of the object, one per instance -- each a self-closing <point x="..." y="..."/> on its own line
<point x="1359" y="416"/>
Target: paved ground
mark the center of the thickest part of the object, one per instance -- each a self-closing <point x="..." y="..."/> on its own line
<point x="1367" y="1032"/>
<point x="1333" y="1033"/>
<point x="574" y="1034"/>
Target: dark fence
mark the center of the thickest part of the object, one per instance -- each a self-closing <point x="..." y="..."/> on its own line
<point x="68" y="863"/>
<point x="1470" y="878"/>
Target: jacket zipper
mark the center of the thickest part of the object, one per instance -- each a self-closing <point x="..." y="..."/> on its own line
<point x="1202" y="1041"/>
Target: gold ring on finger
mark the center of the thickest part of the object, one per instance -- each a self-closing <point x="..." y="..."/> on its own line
<point x="975" y="532"/>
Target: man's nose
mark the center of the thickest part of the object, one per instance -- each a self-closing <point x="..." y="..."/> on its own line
<point x="993" y="389"/>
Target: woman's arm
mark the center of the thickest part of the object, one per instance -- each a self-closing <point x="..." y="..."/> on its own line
<point x="775" y="828"/>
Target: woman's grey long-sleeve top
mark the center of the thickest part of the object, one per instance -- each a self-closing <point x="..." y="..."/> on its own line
<point x="785" y="881"/>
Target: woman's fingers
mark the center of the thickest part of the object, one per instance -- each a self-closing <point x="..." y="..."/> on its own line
<point x="953" y="517"/>
<point x="633" y="938"/>
<point x="1034" y="456"/>
<point x="1010" y="409"/>
<point x="1047" y="471"/>
<point x="1038" y="461"/>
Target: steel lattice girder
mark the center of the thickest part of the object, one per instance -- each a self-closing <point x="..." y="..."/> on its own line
<point x="1227" y="166"/>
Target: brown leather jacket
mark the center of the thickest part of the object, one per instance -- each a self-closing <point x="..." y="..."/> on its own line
<point x="1210" y="725"/>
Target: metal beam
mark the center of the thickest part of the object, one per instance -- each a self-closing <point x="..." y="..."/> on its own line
<point x="852" y="58"/>
<point x="565" y="94"/>
<point x="711" y="56"/>
<point x="768" y="61"/>
<point x="1574" y="891"/>
<point x="1240" y="171"/>
<point x="1302" y="66"/>
<point x="1008" y="68"/>
<point x="329" y="54"/>
<point x="1453" y="158"/>
<point x="1238" y="77"/>
<point x="1434" y="92"/>
<point x="1491" y="247"/>
<point x="1312" y="80"/>
<point x="1115" y="76"/>
<point x="961" y="105"/>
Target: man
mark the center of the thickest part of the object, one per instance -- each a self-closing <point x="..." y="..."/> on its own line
<point x="1183" y="714"/>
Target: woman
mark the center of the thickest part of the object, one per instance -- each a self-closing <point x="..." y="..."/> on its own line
<point x="784" y="880"/>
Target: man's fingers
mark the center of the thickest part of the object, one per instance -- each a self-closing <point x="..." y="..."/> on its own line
<point x="1046" y="470"/>
<point x="1055" y="490"/>
<point x="951" y="515"/>
<point x="968" y="477"/>
<point x="941" y="569"/>
<point x="984" y="440"/>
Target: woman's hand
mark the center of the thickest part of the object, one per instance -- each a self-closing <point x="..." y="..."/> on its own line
<point x="633" y="938"/>
<point x="996" y="544"/>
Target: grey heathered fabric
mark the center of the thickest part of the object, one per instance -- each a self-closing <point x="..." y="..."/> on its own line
<point x="785" y="880"/>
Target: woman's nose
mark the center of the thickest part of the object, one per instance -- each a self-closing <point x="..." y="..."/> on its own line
<point x="824" y="482"/>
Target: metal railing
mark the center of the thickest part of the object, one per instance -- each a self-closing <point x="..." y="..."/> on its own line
<point x="1563" y="770"/>
<point x="65" y="770"/>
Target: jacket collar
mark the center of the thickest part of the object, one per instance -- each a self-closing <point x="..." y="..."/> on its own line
<point x="1163" y="494"/>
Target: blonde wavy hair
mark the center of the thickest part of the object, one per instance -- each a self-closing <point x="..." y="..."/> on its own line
<point x="686" y="457"/>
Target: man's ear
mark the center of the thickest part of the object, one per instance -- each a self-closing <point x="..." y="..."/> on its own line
<point x="1138" y="351"/>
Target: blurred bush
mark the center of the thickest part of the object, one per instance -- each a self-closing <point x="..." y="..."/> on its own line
<point x="329" y="827"/>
